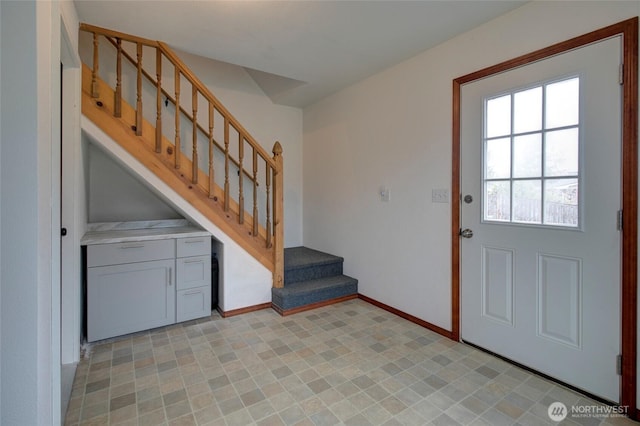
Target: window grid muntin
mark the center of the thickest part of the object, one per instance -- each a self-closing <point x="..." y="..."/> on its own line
<point x="542" y="178"/>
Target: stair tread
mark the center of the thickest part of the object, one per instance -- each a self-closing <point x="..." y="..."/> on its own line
<point x="303" y="257"/>
<point x="315" y="285"/>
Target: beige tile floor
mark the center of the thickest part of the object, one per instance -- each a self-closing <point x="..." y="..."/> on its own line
<point x="350" y="363"/>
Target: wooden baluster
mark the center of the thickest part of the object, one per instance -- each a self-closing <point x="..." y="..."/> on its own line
<point x="240" y="179"/>
<point x="159" y="101"/>
<point x="117" y="101"/>
<point x="226" y="164"/>
<point x="211" y="146"/>
<point x="139" y="90"/>
<point x="194" y="155"/>
<point x="96" y="67"/>
<point x="177" y="142"/>
<point x="278" y="213"/>
<point x="255" y="192"/>
<point x="268" y="204"/>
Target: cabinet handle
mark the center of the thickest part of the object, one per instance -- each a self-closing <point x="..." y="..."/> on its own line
<point x="189" y="293"/>
<point x="192" y="261"/>
<point x="193" y="241"/>
<point x="170" y="275"/>
<point x="132" y="247"/>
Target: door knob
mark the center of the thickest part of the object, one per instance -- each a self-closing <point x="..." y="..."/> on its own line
<point x="466" y="233"/>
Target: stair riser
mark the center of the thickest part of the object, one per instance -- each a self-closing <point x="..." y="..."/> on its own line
<point x="295" y="301"/>
<point x="312" y="272"/>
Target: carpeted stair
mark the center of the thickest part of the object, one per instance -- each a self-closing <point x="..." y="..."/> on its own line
<point x="311" y="279"/>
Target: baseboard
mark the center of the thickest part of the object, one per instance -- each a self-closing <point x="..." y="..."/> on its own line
<point x="240" y="311"/>
<point x="285" y="312"/>
<point x="408" y="317"/>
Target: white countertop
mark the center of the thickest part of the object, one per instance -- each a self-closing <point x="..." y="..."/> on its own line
<point x="120" y="232"/>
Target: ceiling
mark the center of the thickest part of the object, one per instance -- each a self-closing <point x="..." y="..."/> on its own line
<point x="297" y="51"/>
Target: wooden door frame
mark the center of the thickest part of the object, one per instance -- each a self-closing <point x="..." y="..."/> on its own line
<point x="628" y="29"/>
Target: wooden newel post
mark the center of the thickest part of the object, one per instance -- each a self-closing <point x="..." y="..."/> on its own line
<point x="278" y="215"/>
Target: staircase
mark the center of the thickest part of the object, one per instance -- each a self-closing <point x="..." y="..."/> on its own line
<point x="311" y="279"/>
<point x="141" y="94"/>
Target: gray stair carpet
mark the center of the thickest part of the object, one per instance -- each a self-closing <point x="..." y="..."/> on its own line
<point x="311" y="277"/>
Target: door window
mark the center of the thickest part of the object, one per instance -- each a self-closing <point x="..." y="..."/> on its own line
<point x="531" y="161"/>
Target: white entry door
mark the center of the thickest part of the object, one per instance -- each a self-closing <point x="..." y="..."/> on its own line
<point x="540" y="185"/>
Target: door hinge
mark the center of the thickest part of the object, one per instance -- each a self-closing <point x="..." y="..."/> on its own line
<point x="621" y="74"/>
<point x="619" y="365"/>
<point x="619" y="220"/>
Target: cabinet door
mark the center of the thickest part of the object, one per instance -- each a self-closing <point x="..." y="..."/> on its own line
<point x="193" y="272"/>
<point x="193" y="303"/>
<point x="127" y="298"/>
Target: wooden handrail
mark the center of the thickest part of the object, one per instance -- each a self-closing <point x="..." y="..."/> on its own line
<point x="115" y="34"/>
<point x="171" y="99"/>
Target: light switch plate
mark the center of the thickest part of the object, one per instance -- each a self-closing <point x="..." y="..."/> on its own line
<point x="439" y="195"/>
<point x="385" y="193"/>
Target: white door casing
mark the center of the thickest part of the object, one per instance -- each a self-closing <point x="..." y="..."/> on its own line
<point x="549" y="298"/>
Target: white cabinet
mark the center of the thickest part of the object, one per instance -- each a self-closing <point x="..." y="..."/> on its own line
<point x="138" y="285"/>
<point x="130" y="297"/>
<point x="193" y="278"/>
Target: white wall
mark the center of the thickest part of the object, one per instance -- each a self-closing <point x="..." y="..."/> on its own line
<point x="18" y="395"/>
<point x="117" y="196"/>
<point x="29" y="347"/>
<point x="394" y="129"/>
